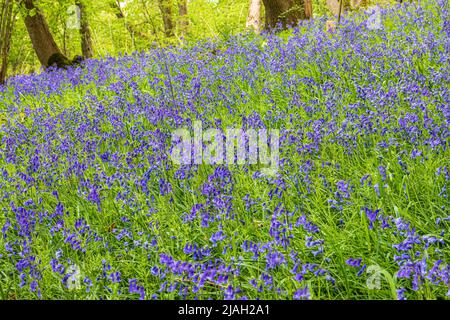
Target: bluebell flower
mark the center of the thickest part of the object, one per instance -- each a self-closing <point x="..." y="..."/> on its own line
<point x="401" y="294"/>
<point x="354" y="262"/>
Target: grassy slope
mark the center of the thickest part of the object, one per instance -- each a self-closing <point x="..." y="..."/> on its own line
<point x="348" y="105"/>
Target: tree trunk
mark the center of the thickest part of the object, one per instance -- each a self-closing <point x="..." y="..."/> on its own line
<point x="149" y="18"/>
<point x="308" y="9"/>
<point x="6" y="25"/>
<point x="166" y="11"/>
<point x="254" y="16"/>
<point x="286" y="12"/>
<point x="183" y="19"/>
<point x="85" y="32"/>
<point x="43" y="43"/>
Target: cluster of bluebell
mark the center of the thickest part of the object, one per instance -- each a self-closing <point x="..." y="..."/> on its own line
<point x="93" y="207"/>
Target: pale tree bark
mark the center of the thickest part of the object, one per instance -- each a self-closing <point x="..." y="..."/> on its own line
<point x="333" y="6"/>
<point x="6" y="26"/>
<point x="254" y="16"/>
<point x="166" y="11"/>
<point x="85" y="32"/>
<point x="355" y="4"/>
<point x="43" y="43"/>
<point x="345" y="6"/>
<point x="183" y="22"/>
<point x="286" y="12"/>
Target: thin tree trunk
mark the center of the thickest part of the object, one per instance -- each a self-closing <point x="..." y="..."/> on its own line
<point x="121" y="15"/>
<point x="286" y="12"/>
<point x="149" y="18"/>
<point x="308" y="9"/>
<point x="64" y="38"/>
<point x="166" y="11"/>
<point x="341" y="4"/>
<point x="6" y="26"/>
<point x="183" y="19"/>
<point x="254" y="16"/>
<point x="335" y="5"/>
<point x="85" y="32"/>
<point x="43" y="43"/>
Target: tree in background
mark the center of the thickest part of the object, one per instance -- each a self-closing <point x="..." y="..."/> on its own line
<point x="358" y="3"/>
<point x="124" y="26"/>
<point x="85" y="31"/>
<point x="254" y="16"/>
<point x="44" y="45"/>
<point x="347" y="5"/>
<point x="308" y="9"/>
<point x="286" y="12"/>
<point x="166" y="10"/>
<point x="6" y="25"/>
<point x="183" y="22"/>
<point x="120" y="14"/>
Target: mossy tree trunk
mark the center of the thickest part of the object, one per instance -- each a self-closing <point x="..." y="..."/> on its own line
<point x="6" y="25"/>
<point x="183" y="22"/>
<point x="165" y="6"/>
<point x="43" y="43"/>
<point x="85" y="32"/>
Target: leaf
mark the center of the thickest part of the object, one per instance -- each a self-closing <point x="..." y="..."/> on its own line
<point x="32" y="12"/>
<point x="397" y="213"/>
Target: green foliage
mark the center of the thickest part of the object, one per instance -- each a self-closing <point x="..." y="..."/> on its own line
<point x="207" y="19"/>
